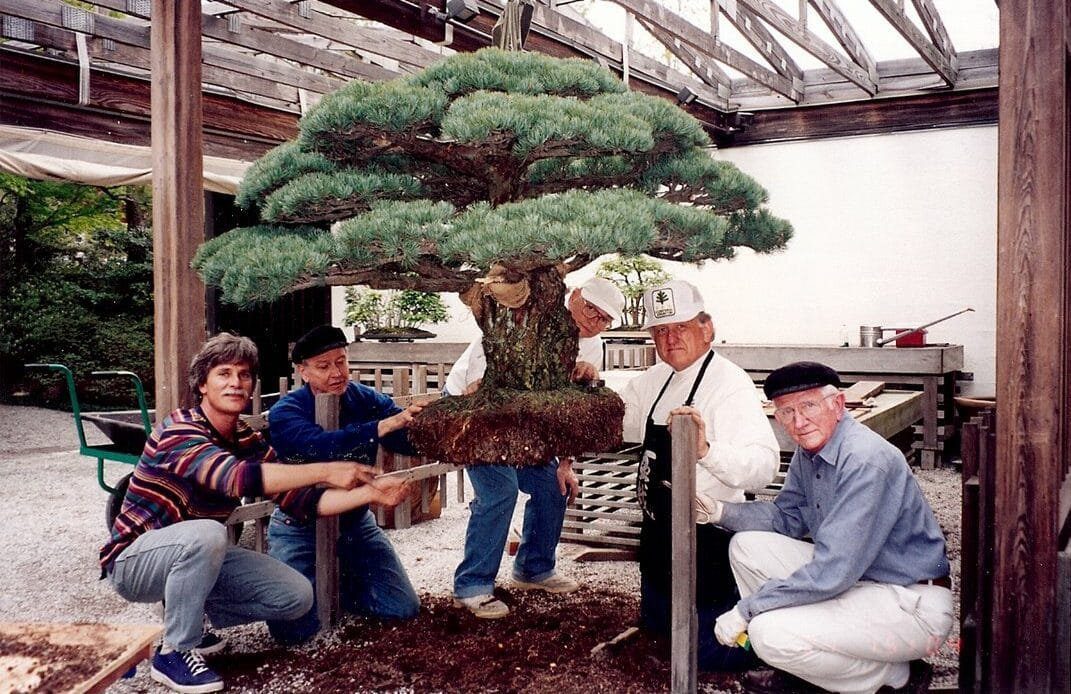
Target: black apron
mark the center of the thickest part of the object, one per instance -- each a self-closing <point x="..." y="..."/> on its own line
<point x="714" y="579"/>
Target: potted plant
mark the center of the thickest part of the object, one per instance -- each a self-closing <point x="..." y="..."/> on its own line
<point x="393" y="314"/>
<point x="633" y="275"/>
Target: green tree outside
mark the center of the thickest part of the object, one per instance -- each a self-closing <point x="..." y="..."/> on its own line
<point x="75" y="286"/>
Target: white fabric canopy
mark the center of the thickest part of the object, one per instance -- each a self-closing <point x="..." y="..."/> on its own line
<point x="44" y="155"/>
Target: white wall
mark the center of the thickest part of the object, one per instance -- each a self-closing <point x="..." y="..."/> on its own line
<point x="891" y="230"/>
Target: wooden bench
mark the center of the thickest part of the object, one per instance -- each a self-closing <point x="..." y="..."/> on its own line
<point x="607" y="512"/>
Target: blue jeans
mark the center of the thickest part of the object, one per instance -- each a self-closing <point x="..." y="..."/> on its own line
<point x="655" y="612"/>
<point x="372" y="581"/>
<point x="194" y="569"/>
<point x="491" y="510"/>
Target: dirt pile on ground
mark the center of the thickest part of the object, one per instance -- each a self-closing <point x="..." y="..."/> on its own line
<point x="543" y="646"/>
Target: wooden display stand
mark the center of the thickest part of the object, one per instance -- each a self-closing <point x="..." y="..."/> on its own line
<point x="70" y="657"/>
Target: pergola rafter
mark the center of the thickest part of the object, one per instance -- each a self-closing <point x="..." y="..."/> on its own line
<point x="263" y="41"/>
<point x="849" y="40"/>
<point x="362" y="39"/>
<point x="941" y="59"/>
<point x="704" y="66"/>
<point x="706" y="43"/>
<point x="752" y="29"/>
<point x="797" y="32"/>
<point x="280" y="55"/>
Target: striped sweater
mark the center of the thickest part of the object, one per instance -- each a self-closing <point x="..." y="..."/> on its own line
<point x="187" y="471"/>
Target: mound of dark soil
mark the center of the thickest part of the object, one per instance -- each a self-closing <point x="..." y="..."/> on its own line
<point x="519" y="427"/>
<point x="544" y="645"/>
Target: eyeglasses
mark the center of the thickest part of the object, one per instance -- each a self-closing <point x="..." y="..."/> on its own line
<point x="592" y="311"/>
<point x="808" y="409"/>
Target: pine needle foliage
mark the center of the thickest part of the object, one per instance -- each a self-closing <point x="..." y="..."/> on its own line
<point x="484" y="159"/>
<point x="282" y="164"/>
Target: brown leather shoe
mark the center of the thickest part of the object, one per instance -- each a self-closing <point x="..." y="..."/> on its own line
<point x="767" y="681"/>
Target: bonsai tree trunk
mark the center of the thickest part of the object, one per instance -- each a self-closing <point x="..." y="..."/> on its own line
<point x="533" y="346"/>
<point x="526" y="410"/>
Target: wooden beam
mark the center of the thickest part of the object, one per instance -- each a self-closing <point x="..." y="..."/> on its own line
<point x="52" y="84"/>
<point x="752" y="29"/>
<point x="837" y="23"/>
<point x="279" y="46"/>
<point x="1033" y="342"/>
<point x="346" y="32"/>
<point x="931" y="19"/>
<point x="809" y="41"/>
<point x="552" y="33"/>
<point x="645" y="73"/>
<point x="178" y="201"/>
<point x="899" y="78"/>
<point x="270" y="93"/>
<point x="936" y="59"/>
<point x="111" y="126"/>
<point x="136" y="33"/>
<point x="943" y="110"/>
<point x="703" y="66"/>
<point x="703" y="41"/>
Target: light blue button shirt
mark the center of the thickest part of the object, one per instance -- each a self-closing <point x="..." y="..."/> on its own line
<point x="860" y="503"/>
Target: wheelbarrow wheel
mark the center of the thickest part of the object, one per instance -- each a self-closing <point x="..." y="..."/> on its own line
<point x="115" y="501"/>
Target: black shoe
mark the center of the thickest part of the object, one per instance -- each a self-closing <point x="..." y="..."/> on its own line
<point x="918" y="679"/>
<point x="767" y="681"/>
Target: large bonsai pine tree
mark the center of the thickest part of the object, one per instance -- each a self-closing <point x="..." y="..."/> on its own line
<point x="493" y="174"/>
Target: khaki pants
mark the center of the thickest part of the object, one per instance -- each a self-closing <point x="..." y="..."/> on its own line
<point x="856" y="642"/>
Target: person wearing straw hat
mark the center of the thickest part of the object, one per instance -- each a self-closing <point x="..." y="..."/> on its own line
<point x="736" y="448"/>
<point x="593" y="307"/>
<point x="857" y="606"/>
<point x="372" y="579"/>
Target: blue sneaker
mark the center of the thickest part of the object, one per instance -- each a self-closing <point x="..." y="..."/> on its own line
<point x="211" y="643"/>
<point x="185" y="671"/>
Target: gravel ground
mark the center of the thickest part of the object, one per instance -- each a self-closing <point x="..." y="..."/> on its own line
<point x="53" y="521"/>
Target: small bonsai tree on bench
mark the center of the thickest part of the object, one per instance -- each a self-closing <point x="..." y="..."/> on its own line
<point x="493" y="174"/>
<point x="393" y="314"/>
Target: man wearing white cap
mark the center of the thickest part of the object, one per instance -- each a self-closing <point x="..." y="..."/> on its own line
<point x="736" y="446"/>
<point x="551" y="487"/>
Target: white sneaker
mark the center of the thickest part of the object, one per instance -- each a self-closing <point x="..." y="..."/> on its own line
<point x="484" y="606"/>
<point x="553" y="584"/>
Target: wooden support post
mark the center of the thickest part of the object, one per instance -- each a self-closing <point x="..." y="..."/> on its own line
<point x="684" y="624"/>
<point x="403" y="512"/>
<point x="178" y="214"/>
<point x="928" y="456"/>
<point x="327" y="588"/>
<point x="1033" y="342"/>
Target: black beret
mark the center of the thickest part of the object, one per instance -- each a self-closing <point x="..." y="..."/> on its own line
<point x="317" y="341"/>
<point x="797" y="376"/>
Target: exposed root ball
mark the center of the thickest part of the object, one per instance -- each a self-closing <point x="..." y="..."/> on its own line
<point x="519" y="427"/>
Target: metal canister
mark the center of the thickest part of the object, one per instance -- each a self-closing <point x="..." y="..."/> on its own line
<point x="869" y="335"/>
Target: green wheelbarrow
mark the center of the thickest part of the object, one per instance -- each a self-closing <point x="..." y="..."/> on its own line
<point x="127" y="432"/>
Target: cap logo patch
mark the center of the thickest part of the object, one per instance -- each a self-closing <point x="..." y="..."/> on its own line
<point x="663" y="303"/>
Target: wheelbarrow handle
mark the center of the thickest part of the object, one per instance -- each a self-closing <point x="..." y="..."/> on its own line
<point x="138" y="387"/>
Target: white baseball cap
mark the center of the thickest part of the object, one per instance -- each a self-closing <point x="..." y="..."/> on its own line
<point x="604" y="294"/>
<point x="675" y="301"/>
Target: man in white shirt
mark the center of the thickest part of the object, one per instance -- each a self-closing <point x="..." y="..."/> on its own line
<point x="737" y="451"/>
<point x="551" y="487"/>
